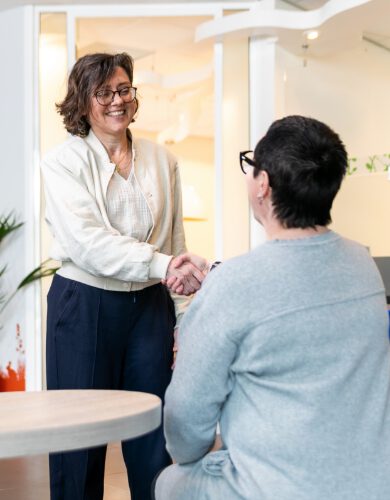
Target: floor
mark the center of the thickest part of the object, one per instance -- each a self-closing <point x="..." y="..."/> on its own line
<point x="27" y="478"/>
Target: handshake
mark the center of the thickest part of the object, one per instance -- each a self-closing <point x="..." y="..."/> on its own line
<point x="185" y="273"/>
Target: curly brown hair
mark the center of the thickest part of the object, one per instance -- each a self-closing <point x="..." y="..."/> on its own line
<point x="87" y="75"/>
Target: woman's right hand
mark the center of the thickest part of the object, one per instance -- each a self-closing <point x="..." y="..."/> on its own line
<point x="185" y="273"/>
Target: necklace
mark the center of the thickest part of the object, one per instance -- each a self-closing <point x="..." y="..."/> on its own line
<point x="117" y="167"/>
<point x="120" y="169"/>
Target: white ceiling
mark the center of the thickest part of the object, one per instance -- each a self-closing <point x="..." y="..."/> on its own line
<point x="14" y="3"/>
<point x="306" y="4"/>
<point x="5" y="4"/>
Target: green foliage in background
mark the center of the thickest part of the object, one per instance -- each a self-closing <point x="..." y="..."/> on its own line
<point x="374" y="163"/>
<point x="351" y="167"/>
<point x="9" y="224"/>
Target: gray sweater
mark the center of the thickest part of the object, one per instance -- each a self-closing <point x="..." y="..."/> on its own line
<point x="287" y="348"/>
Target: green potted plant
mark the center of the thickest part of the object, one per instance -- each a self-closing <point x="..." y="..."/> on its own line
<point x="9" y="224"/>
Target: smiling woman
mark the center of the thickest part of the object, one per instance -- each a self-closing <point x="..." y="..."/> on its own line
<point x="113" y="203"/>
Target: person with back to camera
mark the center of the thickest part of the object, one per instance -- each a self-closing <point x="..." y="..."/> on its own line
<point x="113" y="205"/>
<point x="286" y="347"/>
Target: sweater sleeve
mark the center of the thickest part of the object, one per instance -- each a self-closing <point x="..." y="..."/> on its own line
<point x="79" y="229"/>
<point x="201" y="380"/>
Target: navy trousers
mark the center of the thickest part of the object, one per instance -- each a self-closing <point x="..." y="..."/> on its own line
<point x="99" y="339"/>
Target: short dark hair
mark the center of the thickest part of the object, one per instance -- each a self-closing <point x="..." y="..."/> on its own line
<point x="306" y="162"/>
<point x="87" y="75"/>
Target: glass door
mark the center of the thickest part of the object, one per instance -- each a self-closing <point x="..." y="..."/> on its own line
<point x="175" y="80"/>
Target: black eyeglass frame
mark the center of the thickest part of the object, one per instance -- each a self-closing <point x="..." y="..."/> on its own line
<point x="244" y="158"/>
<point x="113" y="92"/>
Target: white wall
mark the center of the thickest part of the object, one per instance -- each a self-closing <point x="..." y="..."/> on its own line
<point x="17" y="177"/>
<point x="361" y="211"/>
<point x="348" y="91"/>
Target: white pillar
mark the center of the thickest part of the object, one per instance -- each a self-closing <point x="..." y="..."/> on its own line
<point x="235" y="138"/>
<point x="261" y="103"/>
<point x="218" y="145"/>
<point x="17" y="191"/>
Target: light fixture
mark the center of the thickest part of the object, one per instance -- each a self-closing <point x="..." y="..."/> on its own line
<point x="193" y="207"/>
<point x="311" y="34"/>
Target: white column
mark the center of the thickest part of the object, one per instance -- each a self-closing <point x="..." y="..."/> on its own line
<point x="71" y="38"/>
<point x="16" y="189"/>
<point x="218" y="145"/>
<point x="235" y="128"/>
<point x="261" y="103"/>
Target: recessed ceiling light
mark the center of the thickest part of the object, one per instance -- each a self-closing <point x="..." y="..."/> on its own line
<point x="311" y="34"/>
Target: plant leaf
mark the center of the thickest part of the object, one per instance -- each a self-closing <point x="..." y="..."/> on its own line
<point x="36" y="274"/>
<point x="8" y="224"/>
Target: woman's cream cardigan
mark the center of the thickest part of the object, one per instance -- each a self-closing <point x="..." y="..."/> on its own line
<point x="76" y="175"/>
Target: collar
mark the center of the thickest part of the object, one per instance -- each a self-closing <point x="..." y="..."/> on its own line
<point x="101" y="154"/>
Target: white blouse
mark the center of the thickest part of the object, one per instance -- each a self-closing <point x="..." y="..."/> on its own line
<point x="127" y="209"/>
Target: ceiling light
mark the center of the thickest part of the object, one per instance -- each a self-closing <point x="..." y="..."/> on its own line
<point x="311" y="34"/>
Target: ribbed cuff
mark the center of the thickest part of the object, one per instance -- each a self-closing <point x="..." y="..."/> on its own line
<point x="159" y="265"/>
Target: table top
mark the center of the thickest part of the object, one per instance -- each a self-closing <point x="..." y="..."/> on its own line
<point x="50" y="421"/>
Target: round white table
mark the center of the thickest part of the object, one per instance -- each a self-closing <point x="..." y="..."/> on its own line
<point x="50" y="421"/>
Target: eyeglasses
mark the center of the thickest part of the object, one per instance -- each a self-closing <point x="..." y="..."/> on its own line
<point x="246" y="161"/>
<point x="106" y="96"/>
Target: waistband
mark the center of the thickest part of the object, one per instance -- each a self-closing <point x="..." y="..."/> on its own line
<point x="71" y="271"/>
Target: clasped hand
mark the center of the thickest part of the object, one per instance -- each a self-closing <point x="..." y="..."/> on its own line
<point x="185" y="273"/>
